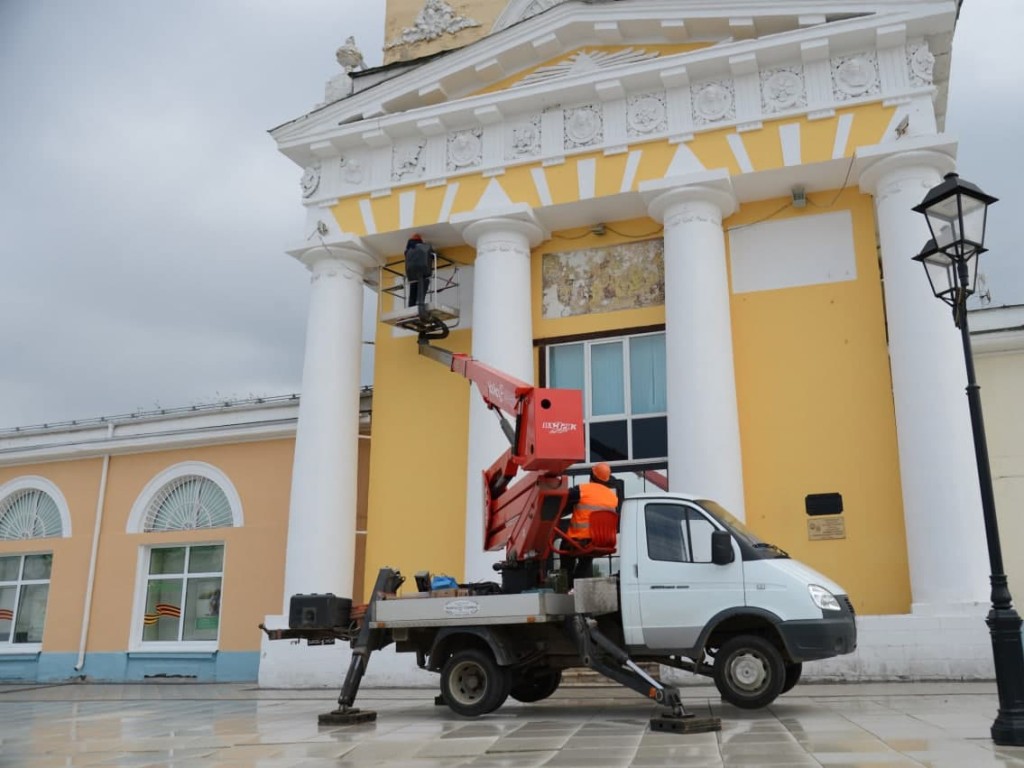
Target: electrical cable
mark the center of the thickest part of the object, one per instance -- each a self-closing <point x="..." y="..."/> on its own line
<point x="849" y="170"/>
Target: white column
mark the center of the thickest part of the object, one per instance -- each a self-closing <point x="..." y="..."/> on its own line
<point x="941" y="499"/>
<point x="503" y="338"/>
<point x="703" y="422"/>
<point x="322" y="510"/>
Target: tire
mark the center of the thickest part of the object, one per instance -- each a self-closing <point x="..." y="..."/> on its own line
<point x="473" y="684"/>
<point x="749" y="672"/>
<point x="792" y="676"/>
<point x="536" y="685"/>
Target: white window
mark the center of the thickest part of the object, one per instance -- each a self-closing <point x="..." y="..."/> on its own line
<point x="187" y="503"/>
<point x="623" y="383"/>
<point x="24" y="589"/>
<point x="32" y="508"/>
<point x="183" y="594"/>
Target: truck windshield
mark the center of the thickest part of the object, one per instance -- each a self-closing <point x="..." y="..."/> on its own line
<point x="736" y="527"/>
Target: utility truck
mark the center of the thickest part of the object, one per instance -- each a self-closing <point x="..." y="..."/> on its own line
<point x="684" y="584"/>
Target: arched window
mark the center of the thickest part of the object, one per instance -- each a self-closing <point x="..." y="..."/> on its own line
<point x="32" y="508"/>
<point x="188" y="496"/>
<point x="188" y="503"/>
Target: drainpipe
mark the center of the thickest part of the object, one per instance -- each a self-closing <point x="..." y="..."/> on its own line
<point x="100" y="503"/>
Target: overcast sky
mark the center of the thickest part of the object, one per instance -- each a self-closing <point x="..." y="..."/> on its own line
<point x="144" y="210"/>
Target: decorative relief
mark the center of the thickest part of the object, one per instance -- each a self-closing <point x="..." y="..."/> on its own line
<point x="713" y="101"/>
<point x="646" y="114"/>
<point x="584" y="126"/>
<point x="310" y="180"/>
<point x="518" y="10"/>
<point x="437" y="18"/>
<point x="591" y="280"/>
<point x="855" y="75"/>
<point x="921" y="63"/>
<point x="352" y="170"/>
<point x="465" y="149"/>
<point x="407" y="161"/>
<point x="502" y="246"/>
<point x="688" y="213"/>
<point x="522" y="139"/>
<point x="587" y="61"/>
<point x="782" y="89"/>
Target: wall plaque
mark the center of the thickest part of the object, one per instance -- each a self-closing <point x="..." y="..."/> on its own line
<point x="824" y="528"/>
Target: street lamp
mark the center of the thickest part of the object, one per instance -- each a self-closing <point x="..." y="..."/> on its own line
<point x="956" y="211"/>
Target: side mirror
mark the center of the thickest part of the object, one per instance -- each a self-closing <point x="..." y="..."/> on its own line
<point x="722" y="552"/>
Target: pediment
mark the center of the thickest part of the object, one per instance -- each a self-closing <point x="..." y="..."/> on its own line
<point x="609" y="77"/>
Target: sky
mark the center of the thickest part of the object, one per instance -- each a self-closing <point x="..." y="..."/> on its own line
<point x="145" y="212"/>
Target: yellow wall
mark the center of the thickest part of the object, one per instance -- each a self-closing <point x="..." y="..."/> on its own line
<point x="816" y="416"/>
<point x="401" y="14"/>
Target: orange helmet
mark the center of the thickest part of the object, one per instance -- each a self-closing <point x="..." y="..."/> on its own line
<point x="601" y="471"/>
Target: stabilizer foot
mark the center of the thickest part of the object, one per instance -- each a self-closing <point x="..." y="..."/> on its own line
<point x="439" y="701"/>
<point x="347" y="717"/>
<point x="685" y="724"/>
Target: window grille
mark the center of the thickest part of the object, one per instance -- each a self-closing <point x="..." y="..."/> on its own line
<point x="29" y="514"/>
<point x="187" y="503"/>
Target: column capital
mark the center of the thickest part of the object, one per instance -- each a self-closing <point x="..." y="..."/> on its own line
<point x="516" y="218"/>
<point x="351" y="250"/>
<point x="709" y="187"/>
<point x="920" y="158"/>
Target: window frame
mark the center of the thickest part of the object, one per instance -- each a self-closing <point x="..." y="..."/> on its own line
<point x="136" y="642"/>
<point x="41" y="484"/>
<point x="588" y="341"/>
<point x="137" y="517"/>
<point x="9" y="647"/>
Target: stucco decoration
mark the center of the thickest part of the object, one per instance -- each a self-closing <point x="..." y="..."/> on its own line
<point x="310" y="180"/>
<point x="352" y="170"/>
<point x="782" y="89"/>
<point x="854" y="76"/>
<point x="437" y="18"/>
<point x="713" y="102"/>
<point x="586" y="61"/>
<point x="591" y="280"/>
<point x="350" y="58"/>
<point x="522" y="138"/>
<point x="921" y="63"/>
<point x="517" y="10"/>
<point x="465" y="149"/>
<point x="584" y="126"/>
<point x="407" y="161"/>
<point x="646" y="114"/>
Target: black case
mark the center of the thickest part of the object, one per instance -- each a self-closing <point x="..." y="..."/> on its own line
<point x="318" y="611"/>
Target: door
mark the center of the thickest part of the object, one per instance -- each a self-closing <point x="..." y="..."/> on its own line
<point x="678" y="586"/>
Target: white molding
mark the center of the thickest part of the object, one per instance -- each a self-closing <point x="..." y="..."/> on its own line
<point x="201" y="468"/>
<point x="37" y="483"/>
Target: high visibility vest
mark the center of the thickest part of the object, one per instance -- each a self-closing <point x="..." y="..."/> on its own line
<point x="593" y="496"/>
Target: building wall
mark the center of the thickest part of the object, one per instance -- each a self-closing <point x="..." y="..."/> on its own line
<point x="402" y="14"/>
<point x="1001" y="375"/>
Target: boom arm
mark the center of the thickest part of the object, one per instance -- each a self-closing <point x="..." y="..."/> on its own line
<point x="546" y="438"/>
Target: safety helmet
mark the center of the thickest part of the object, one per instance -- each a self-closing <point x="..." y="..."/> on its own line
<point x="601" y="471"/>
<point x="417" y="236"/>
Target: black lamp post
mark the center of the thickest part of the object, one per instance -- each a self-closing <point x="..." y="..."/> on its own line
<point x="956" y="212"/>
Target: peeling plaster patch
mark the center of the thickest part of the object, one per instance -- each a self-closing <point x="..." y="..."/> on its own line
<point x="592" y="280"/>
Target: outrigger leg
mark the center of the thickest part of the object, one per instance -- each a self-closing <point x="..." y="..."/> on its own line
<point x="366" y="642"/>
<point x="590" y="640"/>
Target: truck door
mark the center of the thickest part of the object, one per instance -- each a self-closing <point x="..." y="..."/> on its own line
<point x="678" y="587"/>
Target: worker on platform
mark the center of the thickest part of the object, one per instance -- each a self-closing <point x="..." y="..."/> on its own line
<point x="419" y="265"/>
<point x="601" y="492"/>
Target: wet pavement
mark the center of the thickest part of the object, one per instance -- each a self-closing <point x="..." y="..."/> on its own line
<point x="194" y="724"/>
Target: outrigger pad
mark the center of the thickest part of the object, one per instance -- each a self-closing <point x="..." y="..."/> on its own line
<point x="685" y="724"/>
<point x="347" y="717"/>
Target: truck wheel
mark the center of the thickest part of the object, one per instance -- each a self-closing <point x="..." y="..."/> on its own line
<point x="536" y="686"/>
<point x="792" y="676"/>
<point x="473" y="684"/>
<point x="749" y="672"/>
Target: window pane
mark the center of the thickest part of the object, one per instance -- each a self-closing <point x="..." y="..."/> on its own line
<point x="647" y="374"/>
<point x="700" y="536"/>
<point x="665" y="533"/>
<point x="6" y="612"/>
<point x="31" y="613"/>
<point x="650" y="438"/>
<point x="202" y="610"/>
<point x="206" y="559"/>
<point x="608" y="441"/>
<point x="163" y="608"/>
<point x="566" y="366"/>
<point x="167" y="560"/>
<point x="9" y="568"/>
<point x="37" y="567"/>
<point x="607" y="394"/>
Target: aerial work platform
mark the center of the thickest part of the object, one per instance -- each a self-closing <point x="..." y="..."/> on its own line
<point x="441" y="301"/>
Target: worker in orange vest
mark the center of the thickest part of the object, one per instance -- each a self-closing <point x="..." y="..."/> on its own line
<point x="602" y="492"/>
